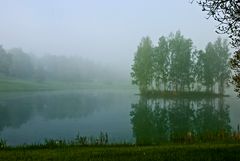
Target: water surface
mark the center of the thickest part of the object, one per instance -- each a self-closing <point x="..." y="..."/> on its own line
<point x="32" y="117"/>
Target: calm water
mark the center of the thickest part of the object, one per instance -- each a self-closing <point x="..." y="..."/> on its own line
<point x="32" y="117"/>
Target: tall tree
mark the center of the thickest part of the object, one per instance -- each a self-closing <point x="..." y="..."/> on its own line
<point x="21" y="66"/>
<point x="142" y="71"/>
<point x="161" y="63"/>
<point x="5" y="61"/>
<point x="222" y="66"/>
<point x="181" y="61"/>
<point x="199" y="68"/>
<point x="227" y="13"/>
<point x="208" y="62"/>
<point x="212" y="66"/>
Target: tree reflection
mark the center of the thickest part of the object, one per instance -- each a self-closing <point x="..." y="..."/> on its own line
<point x="142" y="118"/>
<point x="150" y="122"/>
<point x="180" y="120"/>
<point x="212" y="123"/>
<point x="181" y="117"/>
<point x="16" y="111"/>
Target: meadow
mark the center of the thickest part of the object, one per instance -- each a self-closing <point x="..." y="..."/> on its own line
<point x="196" y="152"/>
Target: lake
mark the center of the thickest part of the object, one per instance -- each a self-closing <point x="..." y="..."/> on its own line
<point x="32" y="117"/>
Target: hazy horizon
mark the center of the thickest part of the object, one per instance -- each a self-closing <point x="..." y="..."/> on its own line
<point x="105" y="32"/>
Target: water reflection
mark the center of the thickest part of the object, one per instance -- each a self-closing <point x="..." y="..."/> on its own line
<point x="15" y="111"/>
<point x="157" y="121"/>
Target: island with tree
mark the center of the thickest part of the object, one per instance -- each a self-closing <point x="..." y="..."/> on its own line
<point x="175" y="67"/>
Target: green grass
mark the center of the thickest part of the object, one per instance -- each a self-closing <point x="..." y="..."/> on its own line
<point x="201" y="152"/>
<point x="14" y="85"/>
<point x="20" y="85"/>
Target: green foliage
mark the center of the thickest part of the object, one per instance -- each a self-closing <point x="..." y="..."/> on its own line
<point x="176" y="66"/>
<point x="227" y="14"/>
<point x="213" y="65"/>
<point x="143" y="63"/>
<point x="223" y="70"/>
<point x="21" y="64"/>
<point x="161" y="63"/>
<point x="5" y="61"/>
<point x="181" y="61"/>
<point x="207" y="64"/>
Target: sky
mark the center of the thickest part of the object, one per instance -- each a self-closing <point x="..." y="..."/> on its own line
<point x="105" y="31"/>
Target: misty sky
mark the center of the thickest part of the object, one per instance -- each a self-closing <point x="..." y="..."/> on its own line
<point x="106" y="31"/>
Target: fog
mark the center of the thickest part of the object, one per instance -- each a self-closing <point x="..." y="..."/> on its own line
<point x="136" y="72"/>
<point x="104" y="32"/>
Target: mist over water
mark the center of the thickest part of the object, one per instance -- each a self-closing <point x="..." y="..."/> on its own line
<point x="121" y="68"/>
<point x="33" y="117"/>
<point x="106" y="32"/>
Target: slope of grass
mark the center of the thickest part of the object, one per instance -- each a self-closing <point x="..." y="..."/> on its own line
<point x="126" y="153"/>
<point x="20" y="85"/>
<point x="13" y="85"/>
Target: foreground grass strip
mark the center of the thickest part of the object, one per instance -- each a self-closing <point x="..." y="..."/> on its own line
<point x="128" y="153"/>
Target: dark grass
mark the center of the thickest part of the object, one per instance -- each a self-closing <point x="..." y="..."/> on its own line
<point x="197" y="152"/>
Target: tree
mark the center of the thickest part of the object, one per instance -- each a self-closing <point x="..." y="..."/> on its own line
<point x="161" y="63"/>
<point x="181" y="61"/>
<point x="222" y="65"/>
<point x="175" y="63"/>
<point x="209" y="63"/>
<point x="199" y="68"/>
<point x="5" y="61"/>
<point x="235" y="66"/>
<point x="227" y="13"/>
<point x="142" y="72"/>
<point x="21" y="66"/>
<point x="212" y="65"/>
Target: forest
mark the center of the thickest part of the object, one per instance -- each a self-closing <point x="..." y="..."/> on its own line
<point x="175" y="64"/>
<point x="17" y="64"/>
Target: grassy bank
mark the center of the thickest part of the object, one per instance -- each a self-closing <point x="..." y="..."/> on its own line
<point x="200" y="152"/>
<point x="13" y="85"/>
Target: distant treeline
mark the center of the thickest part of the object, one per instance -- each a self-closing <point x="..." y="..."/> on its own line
<point x="15" y="63"/>
<point x="176" y="65"/>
